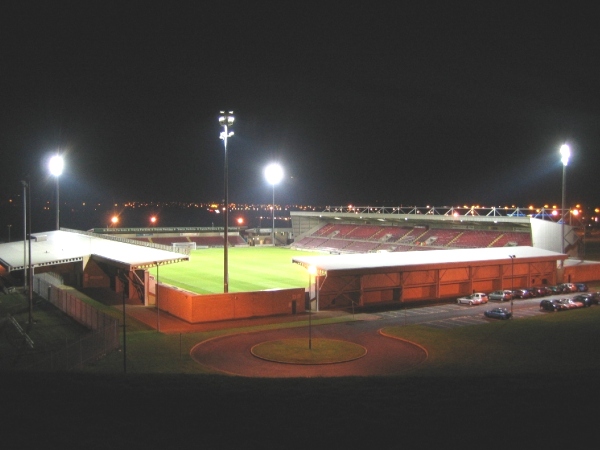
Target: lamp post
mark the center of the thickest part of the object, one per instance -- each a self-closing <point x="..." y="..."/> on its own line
<point x="157" y="305"/>
<point x="312" y="270"/>
<point x="565" y="153"/>
<point x="27" y="264"/>
<point x="512" y="281"/>
<point x="124" y="331"/>
<point x="25" y="185"/>
<point x="9" y="225"/>
<point x="226" y="120"/>
<point x="273" y="174"/>
<point x="56" y="168"/>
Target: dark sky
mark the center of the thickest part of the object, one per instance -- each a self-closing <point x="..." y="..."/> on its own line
<point x="438" y="103"/>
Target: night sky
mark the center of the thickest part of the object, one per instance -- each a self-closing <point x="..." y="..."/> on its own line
<point x="421" y="103"/>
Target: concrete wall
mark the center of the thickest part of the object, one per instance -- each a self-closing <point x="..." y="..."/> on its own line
<point x="195" y="308"/>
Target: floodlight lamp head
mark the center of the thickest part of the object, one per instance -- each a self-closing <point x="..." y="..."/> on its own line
<point x="273" y="173"/>
<point x="226" y="118"/>
<point x="56" y="165"/>
<point x="565" y="152"/>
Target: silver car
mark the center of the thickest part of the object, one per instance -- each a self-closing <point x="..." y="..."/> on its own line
<point x="476" y="298"/>
<point x="500" y="295"/>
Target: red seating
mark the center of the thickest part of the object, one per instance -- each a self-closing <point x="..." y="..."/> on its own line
<point x="475" y="239"/>
<point x="368" y="238"/>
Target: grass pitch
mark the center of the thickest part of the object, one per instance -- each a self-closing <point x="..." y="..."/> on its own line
<point x="250" y="269"/>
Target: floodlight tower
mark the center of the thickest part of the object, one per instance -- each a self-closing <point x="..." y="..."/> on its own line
<point x="56" y="166"/>
<point x="226" y="120"/>
<point x="273" y="174"/>
<point x="565" y="153"/>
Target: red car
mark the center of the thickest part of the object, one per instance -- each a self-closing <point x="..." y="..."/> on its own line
<point x="521" y="293"/>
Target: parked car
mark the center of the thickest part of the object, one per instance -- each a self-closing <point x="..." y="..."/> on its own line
<point x="595" y="296"/>
<point x="556" y="289"/>
<point x="562" y="304"/>
<point x="521" y="293"/>
<point x="498" y="313"/>
<point x="581" y="287"/>
<point x="550" y="305"/>
<point x="540" y="291"/>
<point x="567" y="303"/>
<point x="532" y="292"/>
<point x="546" y="289"/>
<point x="500" y="295"/>
<point x="568" y="287"/>
<point x="476" y="298"/>
<point x="586" y="299"/>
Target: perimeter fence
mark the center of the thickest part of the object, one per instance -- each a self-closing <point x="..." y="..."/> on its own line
<point x="104" y="336"/>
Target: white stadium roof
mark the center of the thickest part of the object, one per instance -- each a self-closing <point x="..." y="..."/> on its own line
<point x="392" y="260"/>
<point x="60" y="247"/>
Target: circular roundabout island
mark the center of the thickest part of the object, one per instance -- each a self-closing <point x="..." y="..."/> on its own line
<point x="313" y="352"/>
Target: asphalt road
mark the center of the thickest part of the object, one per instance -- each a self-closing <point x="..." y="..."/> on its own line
<point x="385" y="356"/>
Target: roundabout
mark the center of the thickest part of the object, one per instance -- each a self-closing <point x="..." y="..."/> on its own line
<point x="338" y="350"/>
<point x="318" y="351"/>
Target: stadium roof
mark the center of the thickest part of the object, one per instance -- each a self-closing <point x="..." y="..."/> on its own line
<point x="390" y="261"/>
<point x="60" y="247"/>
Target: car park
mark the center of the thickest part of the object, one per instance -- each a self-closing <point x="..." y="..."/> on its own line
<point x="477" y="298"/>
<point x="550" y="305"/>
<point x="501" y="295"/>
<point x="498" y="313"/>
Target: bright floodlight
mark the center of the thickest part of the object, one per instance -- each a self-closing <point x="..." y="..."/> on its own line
<point x="273" y="173"/>
<point x="56" y="165"/>
<point x="226" y="118"/>
<point x="565" y="152"/>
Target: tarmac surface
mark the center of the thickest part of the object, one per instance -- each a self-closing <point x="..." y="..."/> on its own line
<point x="231" y="354"/>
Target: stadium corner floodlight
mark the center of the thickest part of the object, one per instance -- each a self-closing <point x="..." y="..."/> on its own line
<point x="273" y="174"/>
<point x="226" y="120"/>
<point x="565" y="153"/>
<point x="56" y="167"/>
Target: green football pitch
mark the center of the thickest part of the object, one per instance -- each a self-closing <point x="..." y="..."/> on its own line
<point x="250" y="269"/>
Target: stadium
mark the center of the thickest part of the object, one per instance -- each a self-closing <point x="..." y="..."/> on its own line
<point x="338" y="257"/>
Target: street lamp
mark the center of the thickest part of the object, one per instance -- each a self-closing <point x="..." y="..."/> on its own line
<point x="512" y="281"/>
<point x="312" y="270"/>
<point x="273" y="174"/>
<point x="226" y="120"/>
<point x="565" y="153"/>
<point x="56" y="168"/>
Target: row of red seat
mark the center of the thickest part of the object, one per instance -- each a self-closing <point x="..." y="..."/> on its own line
<point x="369" y="238"/>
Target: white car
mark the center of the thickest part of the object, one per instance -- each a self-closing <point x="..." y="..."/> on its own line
<point x="477" y="298"/>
